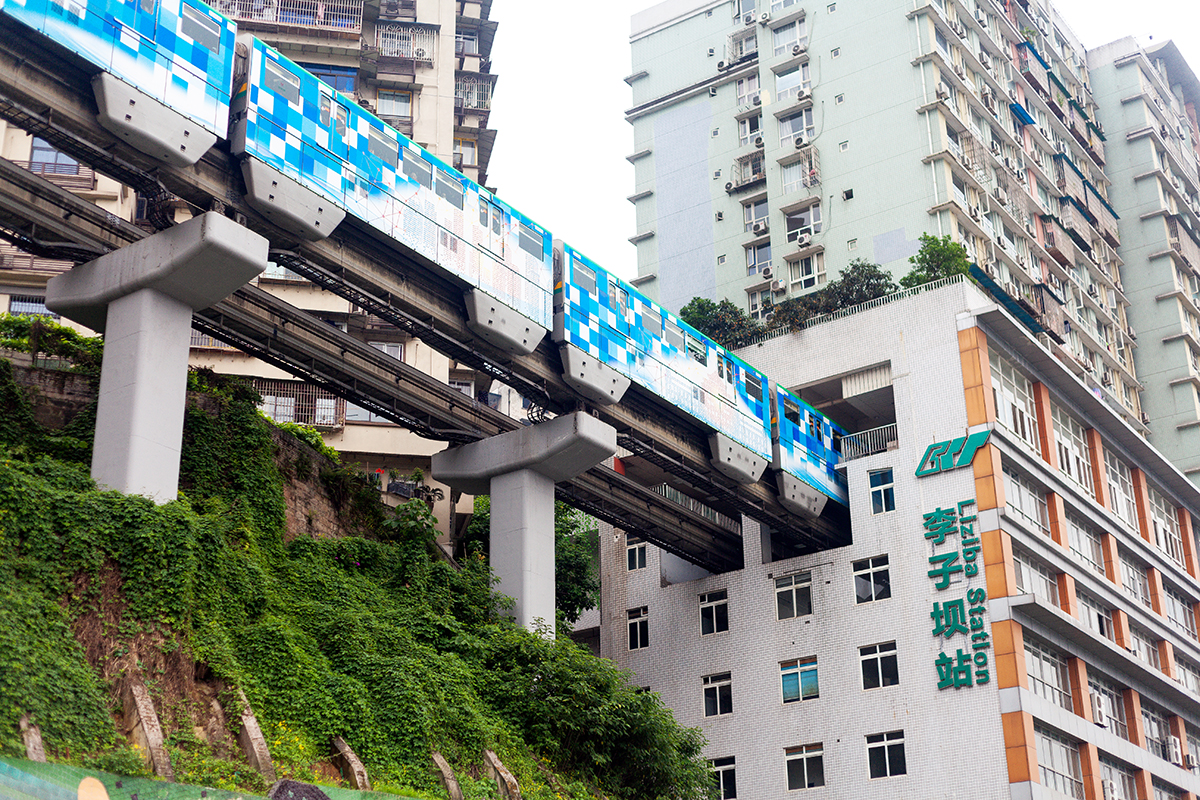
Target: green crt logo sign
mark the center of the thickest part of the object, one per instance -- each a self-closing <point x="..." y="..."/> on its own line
<point x="952" y="454"/>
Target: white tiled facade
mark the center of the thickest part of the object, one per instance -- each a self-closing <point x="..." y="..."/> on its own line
<point x="1028" y="731"/>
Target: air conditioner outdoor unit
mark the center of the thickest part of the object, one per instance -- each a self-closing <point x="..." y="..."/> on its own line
<point x="1175" y="748"/>
<point x="801" y="142"/>
<point x="1032" y="231"/>
<point x="799" y="49"/>
<point x="803" y="239"/>
<point x="758" y="141"/>
<point x="764" y="17"/>
<point x="712" y="91"/>
<point x="974" y="212"/>
<point x="958" y="70"/>
<point x="759" y="227"/>
<point x="1132" y="334"/>
<point x="1099" y="710"/>
<point x="778" y="286"/>
<point x="1003" y="244"/>
<point x="1107" y="381"/>
<point x="1110" y="790"/>
<point x="942" y="92"/>
<point x="1001" y="195"/>
<point x="995" y="145"/>
<point x="721" y="65"/>
<point x="748" y="19"/>
<point x="729" y="186"/>
<point x="758" y="99"/>
<point x="767" y="272"/>
<point x="1092" y="290"/>
<point x="1145" y="418"/>
<point x="802" y="95"/>
<point x="1189" y="761"/>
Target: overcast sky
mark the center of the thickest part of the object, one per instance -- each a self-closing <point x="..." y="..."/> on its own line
<point x="560" y="103"/>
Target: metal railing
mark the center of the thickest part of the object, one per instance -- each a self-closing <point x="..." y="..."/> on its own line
<point x="69" y="175"/>
<point x="328" y="15"/>
<point x="473" y="93"/>
<point x="695" y="506"/>
<point x="869" y="442"/>
<point x="867" y="306"/>
<point x="407" y="42"/>
<point x="305" y="403"/>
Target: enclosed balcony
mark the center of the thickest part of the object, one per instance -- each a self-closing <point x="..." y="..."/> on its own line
<point x="473" y="92"/>
<point x="1032" y="67"/>
<point x="1182" y="241"/>
<point x="1058" y="243"/>
<point x="297" y="16"/>
<point x="1068" y="178"/>
<point x="1106" y="220"/>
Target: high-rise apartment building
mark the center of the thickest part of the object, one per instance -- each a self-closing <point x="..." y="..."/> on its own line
<point x="1147" y="101"/>
<point x="776" y="140"/>
<point x="1020" y="624"/>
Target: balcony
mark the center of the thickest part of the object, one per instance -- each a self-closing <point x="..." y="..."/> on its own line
<point x="1068" y="178"/>
<point x="1106" y="220"/>
<point x="1058" y="243"/>
<point x="869" y="442"/>
<point x="1182" y="242"/>
<point x="297" y="16"/>
<point x="1076" y="222"/>
<point x="1033" y="68"/>
<point x="398" y="9"/>
<point x="406" y="43"/>
<point x="473" y="93"/>
<point x="73" y="176"/>
<point x="747" y="170"/>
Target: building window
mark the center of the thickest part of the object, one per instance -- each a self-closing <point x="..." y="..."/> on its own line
<point x="1058" y="763"/>
<point x="45" y="159"/>
<point x="1108" y="705"/>
<point x="1035" y="578"/>
<point x="340" y="78"/>
<point x="757" y="257"/>
<point x="793" y="596"/>
<point x="879" y="667"/>
<point x="792" y="84"/>
<point x="1074" y="455"/>
<point x="1163" y="791"/>
<point x="807" y="272"/>
<point x="1189" y="674"/>
<point x="714" y="612"/>
<point x="635" y="553"/>
<point x="760" y="303"/>
<point x="799" y="680"/>
<point x="466" y="43"/>
<point x="465" y="150"/>
<point x="725" y="777"/>
<point x="1135" y="581"/>
<point x="1154" y="724"/>
<point x="754" y="212"/>
<point x="1179" y="611"/>
<point x="843" y="146"/>
<point x="747" y="90"/>
<point x="788" y="36"/>
<point x="883" y="491"/>
<point x="1013" y="394"/>
<point x="796" y="125"/>
<point x="393" y="349"/>
<point x="805" y="766"/>
<point x="839" y="99"/>
<point x="1048" y="676"/>
<point x="872" y="581"/>
<point x="1118" y="781"/>
<point x="639" y="628"/>
<point x="1026" y="500"/>
<point x="31" y="305"/>
<point x="1120" y="488"/>
<point x="718" y="695"/>
<point x="1164" y="521"/>
<point x="1144" y="646"/>
<point x="749" y="129"/>
<point x="805" y="222"/>
<point x="885" y="754"/>
<point x="1095" y="615"/>
<point x="395" y="104"/>
<point x="1085" y="543"/>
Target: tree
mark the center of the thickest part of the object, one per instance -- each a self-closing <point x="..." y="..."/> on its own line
<point x="937" y="258"/>
<point x="860" y="282"/>
<point x="723" y="322"/>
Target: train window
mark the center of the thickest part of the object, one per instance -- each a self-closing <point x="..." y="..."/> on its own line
<point x="497" y="220"/>
<point x="200" y="28"/>
<point x="531" y="241"/>
<point x="618" y="298"/>
<point x="673" y="335"/>
<point x="382" y="148"/>
<point x="837" y="443"/>
<point x="326" y="110"/>
<point x="724" y="368"/>
<point x="282" y="82"/>
<point x="418" y="169"/>
<point x="484" y="212"/>
<point x="584" y="278"/>
<point x="697" y="350"/>
<point x="449" y="190"/>
<point x="340" y="117"/>
<point x="814" y="429"/>
<point x="791" y="411"/>
<point x="754" y="387"/>
<point x="148" y="5"/>
<point x="651" y="321"/>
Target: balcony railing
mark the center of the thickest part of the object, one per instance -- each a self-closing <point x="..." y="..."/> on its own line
<point x="1068" y="178"/>
<point x="73" y="176"/>
<point x="869" y="442"/>
<point x="1058" y="243"/>
<point x="1182" y="242"/>
<point x="294" y="401"/>
<point x="695" y="506"/>
<point x="474" y="93"/>
<point x="206" y="342"/>
<point x="322" y="15"/>
<point x="407" y="43"/>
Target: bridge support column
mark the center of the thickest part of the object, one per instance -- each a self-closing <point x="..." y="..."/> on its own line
<point x="142" y="297"/>
<point x="519" y="470"/>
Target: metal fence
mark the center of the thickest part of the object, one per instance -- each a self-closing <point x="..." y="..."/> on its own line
<point x="295" y="401"/>
<point x="694" y="505"/>
<point x="869" y="442"/>
<point x="330" y="15"/>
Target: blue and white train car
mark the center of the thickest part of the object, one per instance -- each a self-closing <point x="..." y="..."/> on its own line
<point x="609" y="335"/>
<point x="807" y="449"/>
<point x="165" y="67"/>
<point x="311" y="155"/>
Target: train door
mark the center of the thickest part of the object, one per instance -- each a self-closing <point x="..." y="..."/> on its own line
<point x="334" y="118"/>
<point x="491" y="227"/>
<point x="145" y="19"/>
<point x="618" y="303"/>
<point x="725" y="372"/>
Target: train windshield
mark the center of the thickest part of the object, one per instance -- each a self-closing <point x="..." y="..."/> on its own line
<point x="200" y="28"/>
<point x="282" y="82"/>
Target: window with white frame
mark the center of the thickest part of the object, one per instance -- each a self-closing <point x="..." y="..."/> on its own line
<point x="747" y="89"/>
<point x="749" y="129"/>
<point x="1156" y="729"/>
<point x="639" y="627"/>
<point x="1034" y="577"/>
<point x="635" y="553"/>
<point x="792" y="84"/>
<point x="1085" y="543"/>
<point x="872" y="579"/>
<point x="718" y="694"/>
<point x="760" y="303"/>
<point x="1189" y="674"/>
<point x="1135" y="580"/>
<point x="1119" y="779"/>
<point x="1193" y="751"/>
<point x="885" y="754"/>
<point x="743" y="44"/>
<point x="725" y="777"/>
<point x="1048" y="675"/>
<point x="1165" y="791"/>
<point x="1165" y="523"/>
<point x="395" y="104"/>
<point x="714" y="612"/>
<point x="795" y="125"/>
<point x="790" y="35"/>
<point x="757" y="257"/>
<point x="1179" y="611"/>
<point x="1108" y="705"/>
<point x="1074" y="455"/>
<point x="1120" y="488"/>
<point x="803" y="222"/>
<point x="1095" y="615"/>
<point x="1026" y="500"/>
<point x="805" y="766"/>
<point x="793" y="596"/>
<point x="807" y="272"/>
<point x="883" y="491"/>
<point x="1058" y="763"/>
<point x="798" y="680"/>
<point x="393" y="349"/>
<point x="1143" y="645"/>
<point x="879" y="665"/>
<point x="754" y="212"/>
<point x="1013" y="394"/>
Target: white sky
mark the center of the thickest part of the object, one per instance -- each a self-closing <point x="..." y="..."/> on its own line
<point x="560" y="103"/>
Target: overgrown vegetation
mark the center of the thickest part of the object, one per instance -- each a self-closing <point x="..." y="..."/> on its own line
<point x="937" y="259"/>
<point x="40" y="335"/>
<point x="371" y="638"/>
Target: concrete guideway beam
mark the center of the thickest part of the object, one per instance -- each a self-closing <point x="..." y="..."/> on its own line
<point x="519" y="470"/>
<point x="142" y="298"/>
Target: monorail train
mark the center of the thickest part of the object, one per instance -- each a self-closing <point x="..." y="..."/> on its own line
<point x="173" y="76"/>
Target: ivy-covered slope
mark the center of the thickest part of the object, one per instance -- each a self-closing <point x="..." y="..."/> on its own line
<point x="369" y="637"/>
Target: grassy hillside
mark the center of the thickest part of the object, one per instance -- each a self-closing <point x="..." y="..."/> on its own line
<point x="370" y="636"/>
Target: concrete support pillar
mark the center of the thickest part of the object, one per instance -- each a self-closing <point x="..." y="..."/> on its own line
<point x="519" y="470"/>
<point x="142" y="297"/>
